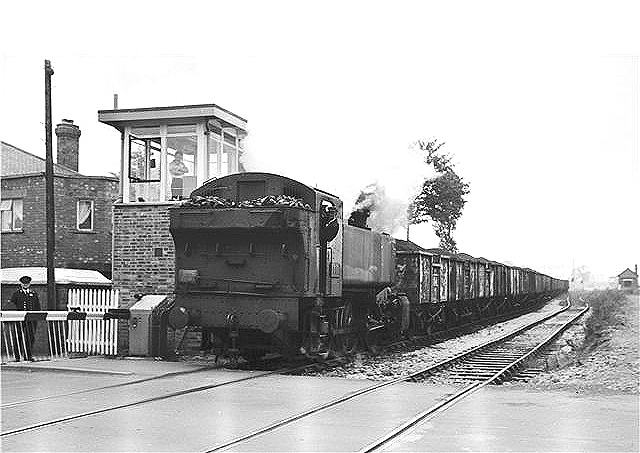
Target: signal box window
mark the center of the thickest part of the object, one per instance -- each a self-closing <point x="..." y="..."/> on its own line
<point x="223" y="149"/>
<point x="11" y="215"/>
<point x="85" y="215"/>
<point x="181" y="155"/>
<point x="144" y="169"/>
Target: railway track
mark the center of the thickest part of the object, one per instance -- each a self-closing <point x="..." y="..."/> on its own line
<point x="475" y="357"/>
<point x="492" y="363"/>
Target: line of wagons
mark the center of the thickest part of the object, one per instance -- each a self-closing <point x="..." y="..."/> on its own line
<point x="453" y="289"/>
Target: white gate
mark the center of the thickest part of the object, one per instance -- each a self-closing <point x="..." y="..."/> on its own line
<point x="93" y="336"/>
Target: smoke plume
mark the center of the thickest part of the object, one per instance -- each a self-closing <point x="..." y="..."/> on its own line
<point x="383" y="204"/>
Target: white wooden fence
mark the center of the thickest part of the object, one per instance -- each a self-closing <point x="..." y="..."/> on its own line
<point x="93" y="336"/>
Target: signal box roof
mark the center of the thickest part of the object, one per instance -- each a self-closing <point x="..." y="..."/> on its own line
<point x="171" y="115"/>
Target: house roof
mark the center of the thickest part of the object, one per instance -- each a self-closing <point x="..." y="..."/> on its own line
<point x="628" y="273"/>
<point x="64" y="276"/>
<point x="16" y="161"/>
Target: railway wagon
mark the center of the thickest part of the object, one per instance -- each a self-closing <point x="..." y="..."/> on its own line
<point x="447" y="290"/>
<point x="265" y="263"/>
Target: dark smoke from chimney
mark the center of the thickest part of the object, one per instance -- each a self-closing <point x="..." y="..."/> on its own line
<point x="359" y="218"/>
<point x="365" y="204"/>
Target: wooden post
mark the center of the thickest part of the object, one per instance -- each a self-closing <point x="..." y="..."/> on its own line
<point x="49" y="196"/>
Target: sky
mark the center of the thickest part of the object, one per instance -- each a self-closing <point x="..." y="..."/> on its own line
<point x="536" y="102"/>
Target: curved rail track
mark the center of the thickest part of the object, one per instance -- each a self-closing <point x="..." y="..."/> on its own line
<point x="491" y="363"/>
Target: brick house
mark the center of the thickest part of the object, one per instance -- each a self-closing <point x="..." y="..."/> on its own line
<point x="209" y="142"/>
<point x="628" y="279"/>
<point x="83" y="208"/>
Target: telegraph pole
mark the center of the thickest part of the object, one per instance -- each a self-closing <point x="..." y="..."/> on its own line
<point x="51" y="223"/>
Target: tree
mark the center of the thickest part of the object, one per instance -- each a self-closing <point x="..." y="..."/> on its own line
<point x="441" y="198"/>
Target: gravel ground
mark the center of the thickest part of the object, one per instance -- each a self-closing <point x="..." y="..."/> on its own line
<point x="611" y="365"/>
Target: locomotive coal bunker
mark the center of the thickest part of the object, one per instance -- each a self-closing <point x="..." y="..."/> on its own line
<point x="261" y="266"/>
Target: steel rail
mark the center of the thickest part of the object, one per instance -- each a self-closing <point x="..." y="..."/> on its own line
<point x="472" y="388"/>
<point x="111" y="386"/>
<point x="127" y="383"/>
<point x="150" y="399"/>
<point x="358" y="393"/>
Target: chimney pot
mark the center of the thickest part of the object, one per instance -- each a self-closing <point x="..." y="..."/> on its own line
<point x="68" y="144"/>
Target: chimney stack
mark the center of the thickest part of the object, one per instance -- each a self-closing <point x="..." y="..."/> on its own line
<point x="636" y="269"/>
<point x="68" y="144"/>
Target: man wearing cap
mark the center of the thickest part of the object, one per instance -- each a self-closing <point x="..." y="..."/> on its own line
<point x="26" y="299"/>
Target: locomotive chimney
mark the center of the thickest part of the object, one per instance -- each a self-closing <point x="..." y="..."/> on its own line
<point x="68" y="144"/>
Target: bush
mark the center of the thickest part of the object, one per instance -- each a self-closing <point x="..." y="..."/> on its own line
<point x="605" y="306"/>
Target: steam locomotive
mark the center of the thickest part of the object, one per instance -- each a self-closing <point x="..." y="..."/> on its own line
<point x="265" y="264"/>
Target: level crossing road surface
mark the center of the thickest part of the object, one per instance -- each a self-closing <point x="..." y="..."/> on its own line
<point x="492" y="419"/>
<point x="499" y="418"/>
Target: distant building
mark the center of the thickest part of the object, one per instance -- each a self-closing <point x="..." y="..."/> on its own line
<point x="628" y="279"/>
<point x="83" y="208"/>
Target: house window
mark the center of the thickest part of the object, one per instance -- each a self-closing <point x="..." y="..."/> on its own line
<point x="11" y="214"/>
<point x="85" y="215"/>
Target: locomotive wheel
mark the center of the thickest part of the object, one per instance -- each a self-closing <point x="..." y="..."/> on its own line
<point x="347" y="343"/>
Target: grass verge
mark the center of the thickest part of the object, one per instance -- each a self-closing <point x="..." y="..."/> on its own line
<point x="606" y="312"/>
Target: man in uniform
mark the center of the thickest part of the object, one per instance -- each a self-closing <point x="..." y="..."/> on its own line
<point x="25" y="299"/>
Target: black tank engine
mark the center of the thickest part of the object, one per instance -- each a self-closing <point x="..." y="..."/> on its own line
<point x="265" y="263"/>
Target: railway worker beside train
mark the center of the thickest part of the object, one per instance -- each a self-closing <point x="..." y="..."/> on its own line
<point x="177" y="169"/>
<point x="330" y="224"/>
<point x="25" y="299"/>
